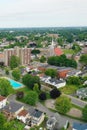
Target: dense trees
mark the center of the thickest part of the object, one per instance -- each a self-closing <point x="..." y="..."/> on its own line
<point x="35" y="52"/>
<point x="14" y="62"/>
<point x="36" y="88"/>
<point x="30" y="80"/>
<point x="76" y="47"/>
<point x="54" y="93"/>
<point x="42" y="59"/>
<point x="16" y="74"/>
<point x="7" y="71"/>
<point x="51" y="72"/>
<point x="63" y="104"/>
<point x="84" y="113"/>
<point x="6" y="125"/>
<point x="83" y="59"/>
<point x="31" y="98"/>
<point x="2" y="121"/>
<point x="74" y="80"/>
<point x="5" y="87"/>
<point x="62" y="61"/>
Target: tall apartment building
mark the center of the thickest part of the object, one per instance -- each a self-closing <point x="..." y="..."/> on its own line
<point x="23" y="53"/>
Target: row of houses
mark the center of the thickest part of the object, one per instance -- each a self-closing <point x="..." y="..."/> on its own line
<point x="15" y="110"/>
<point x="62" y="72"/>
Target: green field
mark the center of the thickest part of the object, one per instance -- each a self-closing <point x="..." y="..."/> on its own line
<point x="69" y="89"/>
<point x="68" y="51"/>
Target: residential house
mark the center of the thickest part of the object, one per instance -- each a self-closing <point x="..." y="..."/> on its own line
<point x="53" y="122"/>
<point x="55" y="82"/>
<point x="37" y="116"/>
<point x="3" y="101"/>
<point x="23" y="115"/>
<point x="82" y="93"/>
<point x="12" y="109"/>
<point x="73" y="73"/>
<point x="79" y="126"/>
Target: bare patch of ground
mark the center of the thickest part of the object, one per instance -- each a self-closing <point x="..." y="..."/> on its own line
<point x="75" y="112"/>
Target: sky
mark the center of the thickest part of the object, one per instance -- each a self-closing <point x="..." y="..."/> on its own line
<point x="43" y="13"/>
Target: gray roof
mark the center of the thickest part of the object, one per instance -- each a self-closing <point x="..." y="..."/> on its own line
<point x="56" y="81"/>
<point x="35" y="113"/>
<point x="12" y="107"/>
<point x="53" y="119"/>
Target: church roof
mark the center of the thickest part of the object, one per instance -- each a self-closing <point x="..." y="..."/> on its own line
<point x="58" y="51"/>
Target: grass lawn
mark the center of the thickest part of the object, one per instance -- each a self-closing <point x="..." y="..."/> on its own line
<point x="68" y="51"/>
<point x="24" y="89"/>
<point x="69" y="89"/>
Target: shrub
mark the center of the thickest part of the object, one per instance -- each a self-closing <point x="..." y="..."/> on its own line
<point x="54" y="93"/>
<point x="42" y="96"/>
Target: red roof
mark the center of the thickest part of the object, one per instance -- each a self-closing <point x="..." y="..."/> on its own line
<point x="2" y="98"/>
<point x="58" y="51"/>
<point x="23" y="113"/>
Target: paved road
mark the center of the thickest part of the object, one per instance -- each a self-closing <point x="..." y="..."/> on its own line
<point x="49" y="113"/>
<point x="77" y="101"/>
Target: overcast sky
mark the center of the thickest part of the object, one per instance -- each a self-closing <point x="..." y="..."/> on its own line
<point x="43" y="13"/>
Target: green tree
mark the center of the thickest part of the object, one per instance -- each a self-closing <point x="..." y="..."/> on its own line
<point x="30" y="80"/>
<point x="14" y="62"/>
<point x="62" y="61"/>
<point x="42" y="59"/>
<point x="31" y="98"/>
<point x="35" y="52"/>
<point x="16" y="74"/>
<point x="5" y="87"/>
<point x="83" y="59"/>
<point x="2" y="121"/>
<point x="74" y="80"/>
<point x="36" y="88"/>
<point x="51" y="72"/>
<point x="63" y="104"/>
<point x="84" y="113"/>
<point x="7" y="71"/>
<point x="76" y="47"/>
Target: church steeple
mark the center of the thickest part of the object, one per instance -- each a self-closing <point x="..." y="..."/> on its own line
<point x="52" y="42"/>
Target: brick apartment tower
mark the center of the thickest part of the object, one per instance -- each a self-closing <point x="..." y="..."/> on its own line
<point x="23" y="53"/>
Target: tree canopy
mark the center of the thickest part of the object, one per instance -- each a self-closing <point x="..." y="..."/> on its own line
<point x="5" y="87"/>
<point x="83" y="59"/>
<point x="62" y="61"/>
<point x="74" y="80"/>
<point x="51" y="72"/>
<point x="35" y="52"/>
<point x="42" y="96"/>
<point x="42" y="59"/>
<point x="14" y="61"/>
<point x="31" y="98"/>
<point x="63" y="104"/>
<point x="16" y="74"/>
<point x="84" y="113"/>
<point x="30" y="80"/>
<point x="54" y="93"/>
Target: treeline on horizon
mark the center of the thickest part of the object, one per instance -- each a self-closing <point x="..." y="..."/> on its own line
<point x="70" y="34"/>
